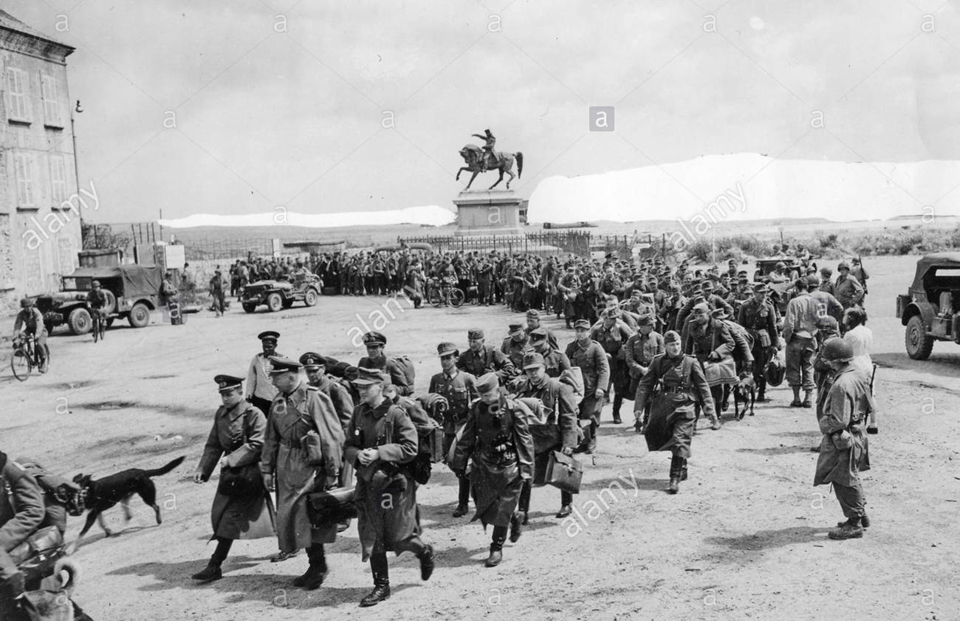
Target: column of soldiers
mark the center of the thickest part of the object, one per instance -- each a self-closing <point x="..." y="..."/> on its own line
<point x="664" y="341"/>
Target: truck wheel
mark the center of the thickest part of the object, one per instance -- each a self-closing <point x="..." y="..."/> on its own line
<point x="919" y="343"/>
<point x="139" y="315"/>
<point x="80" y="321"/>
<point x="310" y="297"/>
<point x="274" y="302"/>
<point x="249" y="307"/>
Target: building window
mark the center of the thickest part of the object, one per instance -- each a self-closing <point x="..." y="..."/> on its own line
<point x="58" y="180"/>
<point x="51" y="101"/>
<point x="23" y="167"/>
<point x="18" y="106"/>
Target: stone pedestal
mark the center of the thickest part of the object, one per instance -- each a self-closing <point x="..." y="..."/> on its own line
<point x="491" y="212"/>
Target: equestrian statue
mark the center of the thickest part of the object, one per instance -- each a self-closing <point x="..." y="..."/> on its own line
<point x="486" y="158"/>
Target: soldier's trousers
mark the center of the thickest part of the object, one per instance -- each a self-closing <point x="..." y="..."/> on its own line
<point x="850" y="499"/>
<point x="800" y="353"/>
<point x="761" y="356"/>
<point x="566" y="498"/>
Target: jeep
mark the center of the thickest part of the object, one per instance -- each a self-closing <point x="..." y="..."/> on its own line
<point x="277" y="294"/>
<point x="930" y="309"/>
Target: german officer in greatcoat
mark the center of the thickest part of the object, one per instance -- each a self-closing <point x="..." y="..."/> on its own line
<point x="235" y="441"/>
<point x="481" y="358"/>
<point x="459" y="388"/>
<point x="287" y="467"/>
<point x="640" y="350"/>
<point x="380" y="440"/>
<point x="586" y="353"/>
<point x="498" y="443"/>
<point x="672" y="419"/>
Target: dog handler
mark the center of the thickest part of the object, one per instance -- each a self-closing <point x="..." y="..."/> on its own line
<point x="237" y="436"/>
<point x="21" y="512"/>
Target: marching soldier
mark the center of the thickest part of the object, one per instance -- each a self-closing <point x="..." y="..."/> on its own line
<point x="460" y="390"/>
<point x="260" y="390"/>
<point x="533" y="323"/>
<point x="800" y="331"/>
<point x="376" y="359"/>
<point x="758" y="316"/>
<point x="671" y="423"/>
<point x="497" y="440"/>
<point x="555" y="361"/>
<point x="516" y="343"/>
<point x="712" y="344"/>
<point x="314" y="366"/>
<point x="612" y="335"/>
<point x="843" y="449"/>
<point x="481" y="358"/>
<point x="288" y="467"/>
<point x="640" y="350"/>
<point x="588" y="354"/>
<point x="381" y="439"/>
<point x="238" y="433"/>
<point x="558" y="400"/>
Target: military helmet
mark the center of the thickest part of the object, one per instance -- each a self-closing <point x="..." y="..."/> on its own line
<point x="775" y="371"/>
<point x="837" y="350"/>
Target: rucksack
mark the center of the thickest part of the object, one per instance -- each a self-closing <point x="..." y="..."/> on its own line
<point x="743" y="339"/>
<point x="573" y="378"/>
<point x="407" y="368"/>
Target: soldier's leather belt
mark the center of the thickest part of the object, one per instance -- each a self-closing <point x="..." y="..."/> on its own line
<point x="674" y="390"/>
<point x="290" y="443"/>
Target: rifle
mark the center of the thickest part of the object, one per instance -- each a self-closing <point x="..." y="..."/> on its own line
<point x="863" y="274"/>
<point x="873" y="376"/>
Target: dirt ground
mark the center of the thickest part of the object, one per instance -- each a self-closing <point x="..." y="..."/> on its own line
<point x="744" y="539"/>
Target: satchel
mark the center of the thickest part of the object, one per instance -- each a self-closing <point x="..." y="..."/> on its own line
<point x="44" y="541"/>
<point x="564" y="472"/>
<point x="313" y="449"/>
<point x="331" y="507"/>
<point x="243" y="482"/>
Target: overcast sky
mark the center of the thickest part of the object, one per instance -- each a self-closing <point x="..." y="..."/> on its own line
<point x="279" y="102"/>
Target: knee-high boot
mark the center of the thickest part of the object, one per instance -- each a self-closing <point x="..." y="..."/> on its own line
<point x="496" y="546"/>
<point x="381" y="580"/>
<point x="676" y="471"/>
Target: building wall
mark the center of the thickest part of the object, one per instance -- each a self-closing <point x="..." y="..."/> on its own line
<point x="39" y="232"/>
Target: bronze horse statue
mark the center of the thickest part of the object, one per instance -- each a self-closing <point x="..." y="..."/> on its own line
<point x="476" y="163"/>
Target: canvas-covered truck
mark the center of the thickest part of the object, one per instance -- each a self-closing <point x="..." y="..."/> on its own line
<point x="930" y="309"/>
<point x="132" y="291"/>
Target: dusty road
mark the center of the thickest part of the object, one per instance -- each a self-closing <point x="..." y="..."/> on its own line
<point x="745" y="538"/>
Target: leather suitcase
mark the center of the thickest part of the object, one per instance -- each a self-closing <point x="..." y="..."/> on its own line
<point x="564" y="472"/>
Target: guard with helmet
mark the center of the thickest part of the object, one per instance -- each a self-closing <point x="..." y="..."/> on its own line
<point x="843" y="449"/>
<point x="759" y="317"/>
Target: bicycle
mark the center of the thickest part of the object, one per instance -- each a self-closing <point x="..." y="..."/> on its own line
<point x="443" y="294"/>
<point x="99" y="325"/>
<point x="25" y="357"/>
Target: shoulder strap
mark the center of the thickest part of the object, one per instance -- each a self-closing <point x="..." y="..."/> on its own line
<point x="687" y="370"/>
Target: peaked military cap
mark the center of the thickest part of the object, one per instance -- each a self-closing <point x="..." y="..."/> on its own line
<point x="283" y="365"/>
<point x="532" y="360"/>
<point x="475" y="334"/>
<point x="228" y="382"/>
<point x="312" y="360"/>
<point x="374" y="338"/>
<point x="447" y="348"/>
<point x="366" y="377"/>
<point x="268" y="335"/>
<point x="581" y="324"/>
<point x="488" y="382"/>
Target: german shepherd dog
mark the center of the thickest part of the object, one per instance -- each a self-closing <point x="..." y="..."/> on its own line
<point x="120" y="487"/>
<point x="745" y="392"/>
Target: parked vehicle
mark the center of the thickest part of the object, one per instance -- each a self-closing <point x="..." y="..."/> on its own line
<point x="277" y="294"/>
<point x="930" y="309"/>
<point x="132" y="291"/>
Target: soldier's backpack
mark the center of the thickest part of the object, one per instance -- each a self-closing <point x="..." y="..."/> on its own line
<point x="407" y="368"/>
<point x="429" y="438"/>
<point x="743" y="339"/>
<point x="573" y="378"/>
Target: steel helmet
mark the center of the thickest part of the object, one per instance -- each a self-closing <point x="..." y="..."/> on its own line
<point x="837" y="350"/>
<point x="775" y="371"/>
<point x="95" y="284"/>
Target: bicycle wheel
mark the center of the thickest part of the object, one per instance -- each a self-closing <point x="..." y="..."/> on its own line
<point x="435" y="297"/>
<point x="44" y="366"/>
<point x="103" y="328"/>
<point x="457" y="297"/>
<point x="20" y="364"/>
<point x="96" y="328"/>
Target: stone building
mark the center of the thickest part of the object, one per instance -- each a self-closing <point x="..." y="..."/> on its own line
<point x="40" y="207"/>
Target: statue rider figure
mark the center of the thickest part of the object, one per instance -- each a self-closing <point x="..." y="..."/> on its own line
<point x="489" y="155"/>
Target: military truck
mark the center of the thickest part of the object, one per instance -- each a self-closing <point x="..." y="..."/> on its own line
<point x="930" y="309"/>
<point x="277" y="294"/>
<point x="132" y="291"/>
